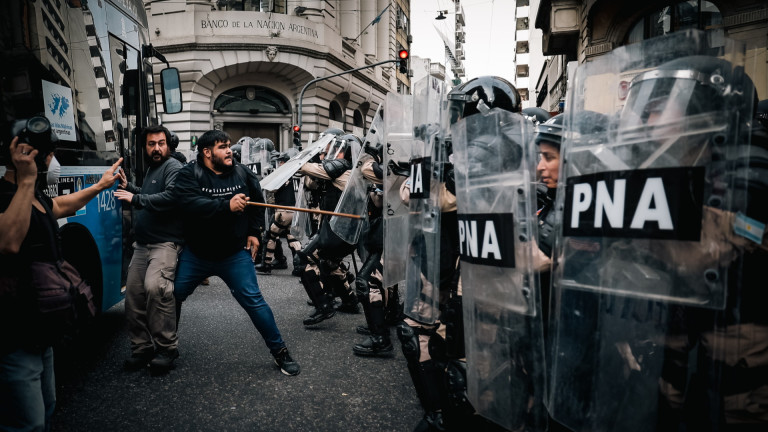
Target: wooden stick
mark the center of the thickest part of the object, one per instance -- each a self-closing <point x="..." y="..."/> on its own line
<point x="305" y="210"/>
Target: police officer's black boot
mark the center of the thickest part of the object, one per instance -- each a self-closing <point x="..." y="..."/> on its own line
<point x="323" y="307"/>
<point x="378" y="343"/>
<point x="428" y="382"/>
<point x="279" y="262"/>
<point x="264" y="267"/>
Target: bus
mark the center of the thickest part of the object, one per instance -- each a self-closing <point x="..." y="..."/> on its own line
<point x="87" y="67"/>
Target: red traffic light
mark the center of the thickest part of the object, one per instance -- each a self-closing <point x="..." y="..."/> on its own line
<point x="403" y="54"/>
<point x="296" y="128"/>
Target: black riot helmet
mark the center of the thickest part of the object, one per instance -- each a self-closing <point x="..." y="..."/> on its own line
<point x="585" y="122"/>
<point x="482" y="94"/>
<point x="688" y="86"/>
<point x="333" y="131"/>
<point x="536" y="115"/>
<point x="237" y="150"/>
<point x="351" y="143"/>
<point x="551" y="131"/>
<point x="174" y="141"/>
<point x="265" y="144"/>
<point x="493" y="153"/>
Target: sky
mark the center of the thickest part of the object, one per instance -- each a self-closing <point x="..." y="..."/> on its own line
<point x="489" y="31"/>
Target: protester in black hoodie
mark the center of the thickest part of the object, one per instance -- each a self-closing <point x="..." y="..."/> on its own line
<point x="221" y="235"/>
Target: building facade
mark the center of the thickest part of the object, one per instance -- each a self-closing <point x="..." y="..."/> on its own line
<point x="581" y="30"/>
<point x="244" y="63"/>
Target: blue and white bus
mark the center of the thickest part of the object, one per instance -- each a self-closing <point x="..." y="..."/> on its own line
<point x="86" y="66"/>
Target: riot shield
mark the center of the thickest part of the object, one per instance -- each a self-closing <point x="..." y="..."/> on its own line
<point x="354" y="199"/>
<point x="495" y="166"/>
<point x="426" y="193"/>
<point x="252" y="157"/>
<point x="651" y="246"/>
<point x="398" y="121"/>
<point x="278" y="177"/>
<point x="301" y="225"/>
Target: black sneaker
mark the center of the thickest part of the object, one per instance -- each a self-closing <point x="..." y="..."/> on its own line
<point x="163" y="362"/>
<point x="286" y="364"/>
<point x="281" y="264"/>
<point x="138" y="361"/>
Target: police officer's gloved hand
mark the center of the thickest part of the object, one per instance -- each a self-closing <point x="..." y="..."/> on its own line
<point x="400" y="169"/>
<point x="450" y="179"/>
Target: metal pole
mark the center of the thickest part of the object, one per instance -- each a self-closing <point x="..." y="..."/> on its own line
<point x="301" y="95"/>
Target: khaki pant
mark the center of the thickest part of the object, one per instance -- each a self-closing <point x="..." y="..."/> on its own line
<point x="281" y="225"/>
<point x="150" y="308"/>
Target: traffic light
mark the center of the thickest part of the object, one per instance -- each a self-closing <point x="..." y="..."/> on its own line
<point x="297" y="136"/>
<point x="403" y="61"/>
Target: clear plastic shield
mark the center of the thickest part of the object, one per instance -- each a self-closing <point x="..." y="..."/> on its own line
<point x="301" y="225"/>
<point x="649" y="244"/>
<point x="398" y="121"/>
<point x="278" y="177"/>
<point x="253" y="157"/>
<point x="426" y="185"/>
<point x="495" y="166"/>
<point x="354" y="199"/>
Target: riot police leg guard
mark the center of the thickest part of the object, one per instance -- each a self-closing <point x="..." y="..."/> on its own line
<point x="362" y="290"/>
<point x="393" y="311"/>
<point x="270" y="255"/>
<point x="343" y="281"/>
<point x="301" y="259"/>
<point x="453" y="320"/>
<point x="323" y="307"/>
<point x="427" y="377"/>
<point x="280" y="262"/>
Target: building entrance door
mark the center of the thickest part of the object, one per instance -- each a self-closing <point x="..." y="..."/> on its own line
<point x="237" y="130"/>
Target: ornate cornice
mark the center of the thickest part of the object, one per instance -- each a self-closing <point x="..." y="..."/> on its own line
<point x="330" y="58"/>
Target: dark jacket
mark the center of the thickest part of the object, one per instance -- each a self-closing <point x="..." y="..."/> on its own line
<point x="211" y="229"/>
<point x="156" y="217"/>
<point x="20" y="325"/>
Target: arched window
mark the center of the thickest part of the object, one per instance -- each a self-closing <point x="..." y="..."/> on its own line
<point x="357" y="119"/>
<point x="691" y="14"/>
<point x="335" y="113"/>
<point x="253" y="100"/>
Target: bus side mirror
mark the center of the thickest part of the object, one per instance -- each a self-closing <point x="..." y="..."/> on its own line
<point x="171" y="84"/>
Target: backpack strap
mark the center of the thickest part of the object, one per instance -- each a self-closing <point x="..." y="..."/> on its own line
<point x="53" y="233"/>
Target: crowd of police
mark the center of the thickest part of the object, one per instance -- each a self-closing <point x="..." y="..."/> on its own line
<point x="597" y="270"/>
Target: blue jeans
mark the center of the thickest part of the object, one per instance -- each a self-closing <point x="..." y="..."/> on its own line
<point x="238" y="273"/>
<point x="27" y="390"/>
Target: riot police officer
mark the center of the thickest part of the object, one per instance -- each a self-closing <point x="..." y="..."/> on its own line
<point x="369" y="282"/>
<point x="433" y="340"/>
<point x="326" y="275"/>
<point x="280" y="225"/>
<point x="661" y="329"/>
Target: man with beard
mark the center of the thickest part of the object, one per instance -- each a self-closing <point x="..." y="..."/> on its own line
<point x="150" y="309"/>
<point x="221" y="235"/>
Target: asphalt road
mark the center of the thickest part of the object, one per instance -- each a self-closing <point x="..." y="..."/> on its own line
<point x="225" y="378"/>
